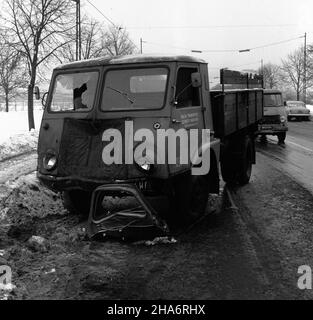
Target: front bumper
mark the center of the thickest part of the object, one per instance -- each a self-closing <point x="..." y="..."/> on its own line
<point x="271" y="129"/>
<point x="299" y="115"/>
<point x="69" y="182"/>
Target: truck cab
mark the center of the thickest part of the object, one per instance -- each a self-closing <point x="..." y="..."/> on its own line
<point x="126" y="95"/>
<point x="133" y="142"/>
<point x="274" y="121"/>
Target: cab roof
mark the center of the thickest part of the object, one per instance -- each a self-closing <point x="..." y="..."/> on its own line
<point x="272" y="91"/>
<point x="129" y="59"/>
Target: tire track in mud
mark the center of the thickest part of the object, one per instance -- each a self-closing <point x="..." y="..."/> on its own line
<point x="260" y="252"/>
<point x="277" y="212"/>
<point x="13" y="168"/>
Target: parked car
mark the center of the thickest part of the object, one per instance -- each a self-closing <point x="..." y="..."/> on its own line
<point x="274" y="121"/>
<point x="297" y="110"/>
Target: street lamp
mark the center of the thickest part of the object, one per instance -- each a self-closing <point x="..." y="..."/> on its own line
<point x="78" y="31"/>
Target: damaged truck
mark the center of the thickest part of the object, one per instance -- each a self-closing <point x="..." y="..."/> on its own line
<point x="100" y="113"/>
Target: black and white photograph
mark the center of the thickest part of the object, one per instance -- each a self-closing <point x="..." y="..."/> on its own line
<point x="156" y="152"/>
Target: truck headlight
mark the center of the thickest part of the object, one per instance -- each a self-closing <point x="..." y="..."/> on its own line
<point x="282" y="119"/>
<point x="49" y="161"/>
<point x="144" y="165"/>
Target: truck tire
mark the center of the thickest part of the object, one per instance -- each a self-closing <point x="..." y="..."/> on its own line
<point x="281" y="137"/>
<point x="190" y="198"/>
<point x="236" y="165"/>
<point x="77" y="201"/>
<point x="228" y="172"/>
<point x="245" y="162"/>
<point x="199" y="196"/>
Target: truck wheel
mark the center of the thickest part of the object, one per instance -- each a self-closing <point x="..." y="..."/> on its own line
<point x="228" y="172"/>
<point x="236" y="165"/>
<point x="77" y="201"/>
<point x="199" y="196"/>
<point x="281" y="137"/>
<point x="190" y="198"/>
<point x="263" y="138"/>
<point x="245" y="162"/>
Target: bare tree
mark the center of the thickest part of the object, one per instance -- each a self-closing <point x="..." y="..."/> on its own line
<point x="116" y="42"/>
<point x="12" y="74"/>
<point x="40" y="29"/>
<point x="272" y="75"/>
<point x="92" y="46"/>
<point x="98" y="41"/>
<point x="293" y="71"/>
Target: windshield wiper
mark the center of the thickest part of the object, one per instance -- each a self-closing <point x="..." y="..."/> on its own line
<point x="124" y="94"/>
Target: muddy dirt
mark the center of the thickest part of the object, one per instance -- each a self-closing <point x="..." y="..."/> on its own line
<point x="208" y="262"/>
<point x="246" y="250"/>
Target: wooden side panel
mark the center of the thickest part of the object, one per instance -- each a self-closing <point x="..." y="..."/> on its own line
<point x="230" y="113"/>
<point x="259" y="105"/>
<point x="252" y="107"/>
<point x="242" y="109"/>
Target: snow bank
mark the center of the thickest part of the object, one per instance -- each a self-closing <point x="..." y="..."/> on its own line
<point x="14" y="135"/>
<point x="310" y="107"/>
<point x="16" y="122"/>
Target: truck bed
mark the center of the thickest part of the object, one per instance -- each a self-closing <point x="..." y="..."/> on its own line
<point x="234" y="110"/>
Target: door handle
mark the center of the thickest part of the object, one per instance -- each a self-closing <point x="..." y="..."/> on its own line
<point x="176" y="121"/>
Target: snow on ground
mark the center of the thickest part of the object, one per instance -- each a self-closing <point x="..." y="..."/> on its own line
<point x="16" y="122"/>
<point x="14" y="135"/>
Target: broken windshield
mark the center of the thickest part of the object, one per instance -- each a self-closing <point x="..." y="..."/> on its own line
<point x="74" y="91"/>
<point x="130" y="89"/>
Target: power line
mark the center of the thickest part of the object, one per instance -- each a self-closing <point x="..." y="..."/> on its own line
<point x="217" y="26"/>
<point x="227" y="50"/>
<point x="188" y="49"/>
<point x="108" y="19"/>
<point x="236" y="66"/>
<point x="275" y="43"/>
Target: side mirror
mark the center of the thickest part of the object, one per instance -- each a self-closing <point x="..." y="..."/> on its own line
<point x="37" y="93"/>
<point x="196" y="80"/>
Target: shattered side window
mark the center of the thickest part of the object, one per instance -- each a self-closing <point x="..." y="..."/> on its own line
<point x="74" y="91"/>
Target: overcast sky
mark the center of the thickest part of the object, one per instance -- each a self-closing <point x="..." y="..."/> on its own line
<point x="178" y="26"/>
<point x="213" y="25"/>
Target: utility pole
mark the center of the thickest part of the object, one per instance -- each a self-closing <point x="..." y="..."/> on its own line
<point x="304" y="70"/>
<point x="262" y="73"/>
<point x="78" y="31"/>
<point x="141" y="42"/>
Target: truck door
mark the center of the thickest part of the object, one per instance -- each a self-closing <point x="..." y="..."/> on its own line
<point x="188" y="109"/>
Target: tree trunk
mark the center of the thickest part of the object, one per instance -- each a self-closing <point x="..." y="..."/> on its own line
<point x="298" y="95"/>
<point x="6" y="102"/>
<point x="31" y="122"/>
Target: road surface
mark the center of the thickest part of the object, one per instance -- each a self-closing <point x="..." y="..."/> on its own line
<point x="250" y="249"/>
